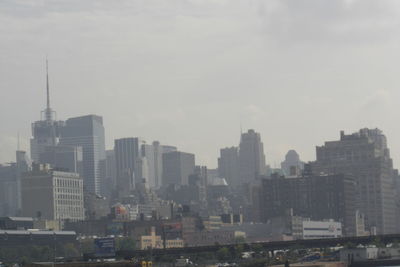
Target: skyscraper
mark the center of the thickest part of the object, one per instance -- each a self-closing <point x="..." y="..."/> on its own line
<point x="177" y="167"/>
<point x="88" y="133"/>
<point x="111" y="173"/>
<point x="67" y="158"/>
<point x="228" y="165"/>
<point x="251" y="157"/>
<point x="45" y="132"/>
<point x="128" y="162"/>
<point x="365" y="155"/>
<point x="153" y="154"/>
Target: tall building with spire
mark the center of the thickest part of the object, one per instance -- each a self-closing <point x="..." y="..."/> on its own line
<point x="46" y="131"/>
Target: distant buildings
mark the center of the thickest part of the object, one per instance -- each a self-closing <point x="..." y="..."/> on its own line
<point x="10" y="184"/>
<point x="88" y="132"/>
<point x="153" y="154"/>
<point x="292" y="165"/>
<point x="177" y="167"/>
<point x="66" y="158"/>
<point x="318" y="197"/>
<point x="365" y="156"/>
<point x="251" y="157"/>
<point x="52" y="195"/>
<point x="228" y="165"/>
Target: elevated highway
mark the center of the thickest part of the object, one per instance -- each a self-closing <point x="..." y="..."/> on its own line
<point x="268" y="246"/>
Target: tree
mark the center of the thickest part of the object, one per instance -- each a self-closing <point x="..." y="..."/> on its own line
<point x="127" y="243"/>
<point x="70" y="251"/>
<point x="378" y="243"/>
<point x="223" y="254"/>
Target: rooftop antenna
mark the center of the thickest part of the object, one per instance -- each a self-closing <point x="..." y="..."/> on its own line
<point x="48" y="112"/>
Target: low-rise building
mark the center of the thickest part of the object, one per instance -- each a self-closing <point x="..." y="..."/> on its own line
<point x="209" y="238"/>
<point x="358" y="254"/>
<point x="156" y="242"/>
<point x="321" y="229"/>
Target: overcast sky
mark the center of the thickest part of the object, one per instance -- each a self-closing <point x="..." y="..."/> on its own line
<point x="191" y="72"/>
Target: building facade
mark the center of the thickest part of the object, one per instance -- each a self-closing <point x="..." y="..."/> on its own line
<point x="177" y="167"/>
<point x="251" y="157"/>
<point x="318" y="197"/>
<point x="365" y="156"/>
<point x="228" y="165"/>
<point x="88" y="132"/>
<point x="292" y="165"/>
<point x="67" y="158"/>
<point x="52" y="195"/>
<point x="128" y="158"/>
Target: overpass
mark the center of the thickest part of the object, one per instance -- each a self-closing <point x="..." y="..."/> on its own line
<point x="269" y="246"/>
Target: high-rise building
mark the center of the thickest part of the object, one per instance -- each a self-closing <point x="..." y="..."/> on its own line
<point x="228" y="165"/>
<point x="251" y="157"/>
<point x="177" y="166"/>
<point x="153" y="153"/>
<point x="365" y="155"/>
<point x="88" y="132"/>
<point x="10" y="184"/>
<point x="111" y="173"/>
<point x="45" y="132"/>
<point x="128" y="162"/>
<point x="318" y="197"/>
<point x="67" y="158"/>
<point x="292" y="165"/>
<point x="52" y="195"/>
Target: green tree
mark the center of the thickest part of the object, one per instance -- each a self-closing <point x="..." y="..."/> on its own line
<point x="125" y="243"/>
<point x="378" y="243"/>
<point x="239" y="248"/>
<point x="70" y="251"/>
<point x="223" y="254"/>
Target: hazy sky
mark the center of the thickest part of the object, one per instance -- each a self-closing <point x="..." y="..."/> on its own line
<point x="190" y="72"/>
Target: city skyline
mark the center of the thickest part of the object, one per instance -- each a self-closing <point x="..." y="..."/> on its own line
<point x="270" y="78"/>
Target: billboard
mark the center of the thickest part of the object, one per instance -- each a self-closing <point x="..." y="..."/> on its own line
<point x="104" y="247"/>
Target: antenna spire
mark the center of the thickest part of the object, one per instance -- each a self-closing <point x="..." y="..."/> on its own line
<point x="47" y="84"/>
<point x="48" y="112"/>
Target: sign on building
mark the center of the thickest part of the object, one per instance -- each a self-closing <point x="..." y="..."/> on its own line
<point x="104" y="247"/>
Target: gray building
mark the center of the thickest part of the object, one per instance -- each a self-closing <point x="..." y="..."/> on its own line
<point x="45" y="132"/>
<point x="318" y="197"/>
<point x="10" y="184"/>
<point x="292" y="165"/>
<point x="111" y="173"/>
<point x="52" y="195"/>
<point x="153" y="154"/>
<point x="251" y="157"/>
<point x="128" y="164"/>
<point x="365" y="155"/>
<point x="177" y="167"/>
<point x="228" y="165"/>
<point x="67" y="158"/>
<point x="88" y="132"/>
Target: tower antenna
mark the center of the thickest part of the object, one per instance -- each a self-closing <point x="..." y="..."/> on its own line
<point x="47" y="84"/>
<point x="48" y="112"/>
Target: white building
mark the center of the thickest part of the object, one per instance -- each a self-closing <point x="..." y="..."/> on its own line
<point x="52" y="195"/>
<point x="321" y="229"/>
<point x="358" y="254"/>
